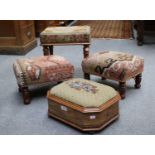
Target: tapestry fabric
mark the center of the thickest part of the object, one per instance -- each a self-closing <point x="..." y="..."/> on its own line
<point x="42" y="69"/>
<point x="84" y="92"/>
<point x="72" y="34"/>
<point x="113" y="65"/>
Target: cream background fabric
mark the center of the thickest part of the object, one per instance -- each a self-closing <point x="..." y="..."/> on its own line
<point x="66" y="30"/>
<point x="82" y="97"/>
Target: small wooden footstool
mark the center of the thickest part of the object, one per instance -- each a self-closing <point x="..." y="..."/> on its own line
<point x="83" y="104"/>
<point x="40" y="71"/>
<point x="115" y="66"/>
<point x="71" y="35"/>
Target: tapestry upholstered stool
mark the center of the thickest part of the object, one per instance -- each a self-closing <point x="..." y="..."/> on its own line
<point x="115" y="66"/>
<point x="72" y="35"/>
<point x="40" y="71"/>
<point x="85" y="105"/>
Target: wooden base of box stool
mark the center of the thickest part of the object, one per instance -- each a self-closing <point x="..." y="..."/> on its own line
<point x="91" y="130"/>
<point x="122" y="85"/>
<point x="48" y="49"/>
<point x="84" y="119"/>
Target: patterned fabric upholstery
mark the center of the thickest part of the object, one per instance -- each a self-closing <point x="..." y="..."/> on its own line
<point x="73" y="34"/>
<point x="40" y="70"/>
<point x="84" y="92"/>
<point x="113" y="65"/>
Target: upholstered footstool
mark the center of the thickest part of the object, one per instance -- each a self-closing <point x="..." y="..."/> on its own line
<point x="83" y="104"/>
<point x="71" y="35"/>
<point x="43" y="70"/>
<point x="115" y="66"/>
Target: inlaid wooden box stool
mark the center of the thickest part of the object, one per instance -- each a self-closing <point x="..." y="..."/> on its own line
<point x="83" y="104"/>
<point x="116" y="66"/>
<point x="71" y="35"/>
<point x="40" y="71"/>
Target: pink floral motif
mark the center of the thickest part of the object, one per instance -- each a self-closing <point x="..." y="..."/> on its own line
<point x="83" y="86"/>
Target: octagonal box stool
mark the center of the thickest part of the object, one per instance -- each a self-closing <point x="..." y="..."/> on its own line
<point x="72" y="35"/>
<point x="115" y="66"/>
<point x="83" y="104"/>
<point x="40" y="71"/>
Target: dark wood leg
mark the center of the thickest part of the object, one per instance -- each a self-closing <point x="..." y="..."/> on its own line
<point x="138" y="80"/>
<point x="140" y="32"/>
<point x="87" y="76"/>
<point x="135" y="25"/>
<point x="139" y="42"/>
<point x="46" y="50"/>
<point x="122" y="89"/>
<point x="26" y="95"/>
<point x="86" y="51"/>
<point x="132" y="29"/>
<point x="103" y="78"/>
<point x="51" y="49"/>
<point x="19" y="88"/>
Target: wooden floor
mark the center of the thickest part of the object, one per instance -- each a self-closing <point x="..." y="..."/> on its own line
<point x="108" y="28"/>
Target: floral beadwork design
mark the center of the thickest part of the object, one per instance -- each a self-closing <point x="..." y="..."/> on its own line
<point x="83" y="86"/>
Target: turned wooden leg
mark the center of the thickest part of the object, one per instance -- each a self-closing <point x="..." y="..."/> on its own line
<point x="133" y="25"/>
<point x="122" y="89"/>
<point x="51" y="49"/>
<point x="139" y="42"/>
<point x="103" y="78"/>
<point x="140" y="35"/>
<point x="46" y="50"/>
<point x="138" y="80"/>
<point x="87" y="76"/>
<point x="85" y="51"/>
<point x="19" y="88"/>
<point x="26" y="95"/>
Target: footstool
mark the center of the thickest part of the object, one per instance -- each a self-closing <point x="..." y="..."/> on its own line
<point x="115" y="66"/>
<point x="71" y="35"/>
<point x="83" y="104"/>
<point x="40" y="71"/>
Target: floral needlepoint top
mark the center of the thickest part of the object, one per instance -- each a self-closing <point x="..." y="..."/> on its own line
<point x="83" y="86"/>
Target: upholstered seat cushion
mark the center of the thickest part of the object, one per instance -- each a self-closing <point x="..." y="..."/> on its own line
<point x="72" y="34"/>
<point x="113" y="65"/>
<point x="31" y="71"/>
<point x="84" y="92"/>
